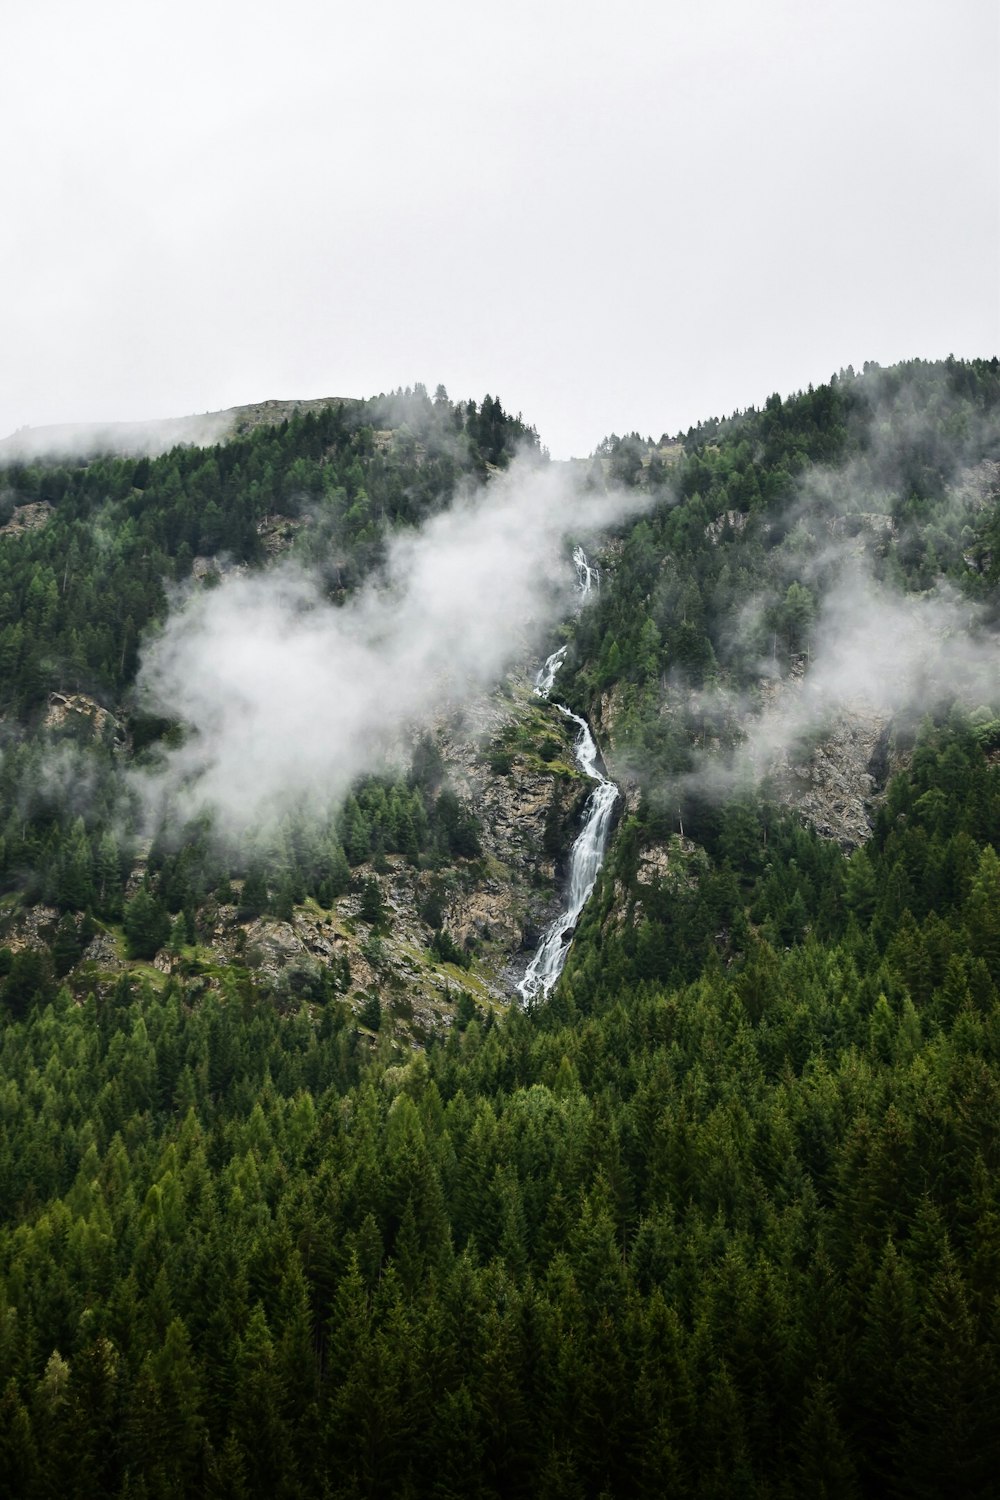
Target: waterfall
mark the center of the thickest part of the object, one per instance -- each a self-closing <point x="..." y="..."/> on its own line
<point x="587" y="854"/>
<point x="547" y="675"/>
<point x="587" y="576"/>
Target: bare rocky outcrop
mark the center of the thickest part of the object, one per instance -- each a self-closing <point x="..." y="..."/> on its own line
<point x="103" y="953"/>
<point x="835" y="786"/>
<point x="525" y="806"/>
<point x="509" y="757"/>
<point x="391" y="960"/>
<point x="277" y="533"/>
<point x="735" y="520"/>
<point x="833" y="773"/>
<point x="217" y="565"/>
<point x="832" y="777"/>
<point x="30" y="927"/>
<point x="79" y="708"/>
<point x="492" y="906"/>
<point x="978" y="485"/>
<point x="664" y="861"/>
<point x="30" y="517"/>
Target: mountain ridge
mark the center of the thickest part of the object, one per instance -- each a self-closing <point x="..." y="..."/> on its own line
<point x="153" y="436"/>
<point x="715" y="1215"/>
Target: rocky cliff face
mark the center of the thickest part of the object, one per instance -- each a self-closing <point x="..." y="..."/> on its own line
<point x="833" y="778"/>
<point x="834" y="781"/>
<point x="509" y="757"/>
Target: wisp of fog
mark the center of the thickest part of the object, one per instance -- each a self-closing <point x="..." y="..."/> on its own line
<point x="876" y="651"/>
<point x="876" y="655"/>
<point x="287" y="697"/>
<point x="79" y="442"/>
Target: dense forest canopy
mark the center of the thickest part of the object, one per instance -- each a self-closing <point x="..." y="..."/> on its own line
<point x="718" y="1216"/>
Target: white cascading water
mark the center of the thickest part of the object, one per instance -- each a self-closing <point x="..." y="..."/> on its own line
<point x="587" y="853"/>
<point x="587" y="575"/>
<point x="547" y="675"/>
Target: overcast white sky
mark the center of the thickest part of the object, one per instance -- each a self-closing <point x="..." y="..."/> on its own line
<point x="613" y="217"/>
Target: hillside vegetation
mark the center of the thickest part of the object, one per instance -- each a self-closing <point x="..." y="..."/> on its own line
<point x="719" y="1216"/>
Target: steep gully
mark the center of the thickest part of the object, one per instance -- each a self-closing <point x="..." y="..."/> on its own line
<point x="587" y="853"/>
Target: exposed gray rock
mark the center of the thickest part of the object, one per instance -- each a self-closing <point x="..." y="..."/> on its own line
<point x="736" y="520"/>
<point x="102" y="951"/>
<point x="29" y="517"/>
<point x="68" y="708"/>
<point x="30" y="927"/>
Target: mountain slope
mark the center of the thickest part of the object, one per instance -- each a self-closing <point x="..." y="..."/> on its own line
<point x="717" y="1216"/>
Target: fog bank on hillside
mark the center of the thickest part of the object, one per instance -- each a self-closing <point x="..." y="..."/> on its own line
<point x="288" y="698"/>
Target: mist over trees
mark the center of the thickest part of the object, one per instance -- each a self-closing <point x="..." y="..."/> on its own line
<point x="719" y="1215"/>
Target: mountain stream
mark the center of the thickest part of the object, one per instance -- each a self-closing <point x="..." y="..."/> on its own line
<point x="587" y="853"/>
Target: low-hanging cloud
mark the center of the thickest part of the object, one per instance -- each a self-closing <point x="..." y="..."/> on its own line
<point x="79" y="442"/>
<point x="288" y="698"/>
<point x="921" y="473"/>
<point x="876" y="655"/>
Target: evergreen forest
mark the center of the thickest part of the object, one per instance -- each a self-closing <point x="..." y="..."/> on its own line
<point x="720" y="1214"/>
